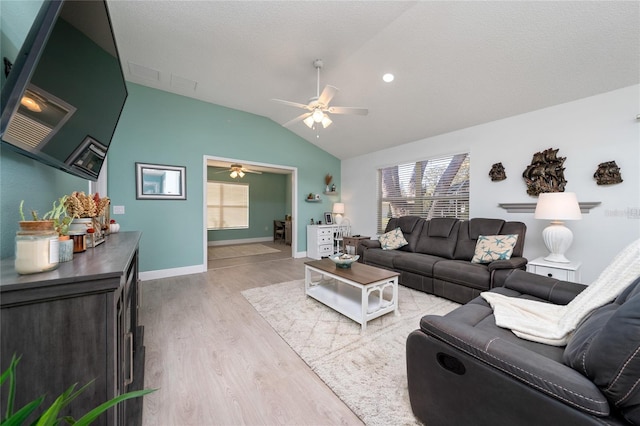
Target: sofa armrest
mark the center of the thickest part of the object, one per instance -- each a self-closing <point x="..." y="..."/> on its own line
<point x="369" y="244"/>
<point x="545" y="288"/>
<point x="364" y="245"/>
<point x="532" y="369"/>
<point x="513" y="263"/>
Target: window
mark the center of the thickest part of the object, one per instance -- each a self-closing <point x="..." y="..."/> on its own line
<point x="227" y="205"/>
<point x="438" y="187"/>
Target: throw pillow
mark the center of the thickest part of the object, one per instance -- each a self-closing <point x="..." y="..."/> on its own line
<point x="392" y="240"/>
<point x="494" y="247"/>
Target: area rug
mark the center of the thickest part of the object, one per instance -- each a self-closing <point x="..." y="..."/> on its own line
<point x="367" y="371"/>
<point x="226" y="252"/>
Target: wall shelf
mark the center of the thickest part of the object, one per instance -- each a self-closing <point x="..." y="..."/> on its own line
<point x="330" y="192"/>
<point x="531" y="207"/>
<point x="314" y="200"/>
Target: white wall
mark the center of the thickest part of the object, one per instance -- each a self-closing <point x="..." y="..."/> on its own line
<point x="587" y="132"/>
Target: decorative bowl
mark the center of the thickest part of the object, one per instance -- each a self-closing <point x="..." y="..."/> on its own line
<point x="344" y="260"/>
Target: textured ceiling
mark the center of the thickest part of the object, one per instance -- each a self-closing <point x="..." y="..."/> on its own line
<point x="457" y="64"/>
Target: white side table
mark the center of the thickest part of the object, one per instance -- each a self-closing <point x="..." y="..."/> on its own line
<point x="561" y="271"/>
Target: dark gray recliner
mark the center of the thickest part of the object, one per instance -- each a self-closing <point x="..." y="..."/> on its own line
<point x="464" y="370"/>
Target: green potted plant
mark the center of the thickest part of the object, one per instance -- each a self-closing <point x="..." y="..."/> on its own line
<point x="51" y="415"/>
<point x="61" y="220"/>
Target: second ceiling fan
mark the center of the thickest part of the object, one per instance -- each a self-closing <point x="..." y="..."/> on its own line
<point x="318" y="108"/>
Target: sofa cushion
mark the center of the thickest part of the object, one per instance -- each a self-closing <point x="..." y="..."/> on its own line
<point x="494" y="247"/>
<point x="473" y="275"/>
<point x="416" y="263"/>
<point x="441" y="226"/>
<point x="411" y="227"/>
<point x="392" y="240"/>
<point x="439" y="237"/>
<point x="379" y="257"/>
<point x="606" y="348"/>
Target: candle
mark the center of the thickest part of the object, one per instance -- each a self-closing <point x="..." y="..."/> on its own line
<point x="36" y="252"/>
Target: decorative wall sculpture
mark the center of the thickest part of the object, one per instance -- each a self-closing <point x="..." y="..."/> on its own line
<point x="497" y="172"/>
<point x="545" y="173"/>
<point x="608" y="173"/>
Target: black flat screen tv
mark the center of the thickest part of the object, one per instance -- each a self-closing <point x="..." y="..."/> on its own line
<point x="65" y="92"/>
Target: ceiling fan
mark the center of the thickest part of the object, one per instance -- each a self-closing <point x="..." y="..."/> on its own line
<point x="237" y="170"/>
<point x="318" y="108"/>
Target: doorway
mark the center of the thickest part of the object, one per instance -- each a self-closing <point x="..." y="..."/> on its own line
<point x="292" y="184"/>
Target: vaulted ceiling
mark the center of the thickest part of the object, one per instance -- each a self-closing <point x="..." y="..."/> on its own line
<point x="456" y="64"/>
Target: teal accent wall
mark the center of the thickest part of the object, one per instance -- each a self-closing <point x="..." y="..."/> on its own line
<point x="22" y="178"/>
<point x="267" y="202"/>
<point x="162" y="128"/>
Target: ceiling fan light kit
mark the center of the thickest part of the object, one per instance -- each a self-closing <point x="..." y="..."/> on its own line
<point x="237" y="170"/>
<point x="318" y="106"/>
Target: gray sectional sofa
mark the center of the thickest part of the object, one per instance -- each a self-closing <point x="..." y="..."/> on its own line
<point x="463" y="369"/>
<point x="437" y="258"/>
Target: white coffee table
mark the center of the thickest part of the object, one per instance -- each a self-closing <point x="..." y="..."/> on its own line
<point x="360" y="293"/>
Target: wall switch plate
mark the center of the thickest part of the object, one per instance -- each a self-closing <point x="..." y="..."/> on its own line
<point x="118" y="209"/>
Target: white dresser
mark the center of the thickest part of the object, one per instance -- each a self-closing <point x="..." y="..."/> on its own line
<point x="319" y="241"/>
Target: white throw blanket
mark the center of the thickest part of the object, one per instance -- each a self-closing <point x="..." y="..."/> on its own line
<point x="552" y="324"/>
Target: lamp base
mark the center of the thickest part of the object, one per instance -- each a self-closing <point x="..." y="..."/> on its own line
<point x="338" y="218"/>
<point x="557" y="258"/>
<point x="558" y="239"/>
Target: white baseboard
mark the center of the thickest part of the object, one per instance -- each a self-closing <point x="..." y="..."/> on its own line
<point x="241" y="241"/>
<point x="173" y="272"/>
<point x="300" y="254"/>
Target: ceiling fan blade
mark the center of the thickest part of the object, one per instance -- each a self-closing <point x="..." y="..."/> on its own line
<point x="327" y="94"/>
<point x="289" y="103"/>
<point x="295" y="120"/>
<point x="348" y="110"/>
<point x="251" y="171"/>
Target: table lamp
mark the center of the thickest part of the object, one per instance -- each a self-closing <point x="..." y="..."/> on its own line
<point x="557" y="207"/>
<point x="338" y="211"/>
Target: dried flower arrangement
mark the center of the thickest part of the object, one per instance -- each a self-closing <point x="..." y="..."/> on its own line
<point x="327" y="179"/>
<point x="79" y="204"/>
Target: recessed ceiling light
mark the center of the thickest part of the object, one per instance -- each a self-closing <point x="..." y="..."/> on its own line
<point x="388" y="77"/>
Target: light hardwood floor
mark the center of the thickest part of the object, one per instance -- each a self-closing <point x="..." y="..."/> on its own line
<point x="215" y="360"/>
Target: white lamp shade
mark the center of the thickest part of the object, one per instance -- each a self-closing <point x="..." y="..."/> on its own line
<point x="558" y="206"/>
<point x="338" y="208"/>
<point x="309" y="121"/>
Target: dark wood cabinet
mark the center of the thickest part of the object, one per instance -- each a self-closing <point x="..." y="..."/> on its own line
<point x="76" y="324"/>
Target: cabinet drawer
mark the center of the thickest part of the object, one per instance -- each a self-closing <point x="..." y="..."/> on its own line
<point x="324" y="231"/>
<point x="559" y="274"/>
<point x="325" y="250"/>
<point x="325" y="239"/>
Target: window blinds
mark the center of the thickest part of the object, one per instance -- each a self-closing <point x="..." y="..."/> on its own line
<point x="227" y="205"/>
<point x="437" y="187"/>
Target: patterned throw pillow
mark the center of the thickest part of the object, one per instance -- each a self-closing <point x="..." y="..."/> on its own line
<point x="392" y="240"/>
<point x="494" y="247"/>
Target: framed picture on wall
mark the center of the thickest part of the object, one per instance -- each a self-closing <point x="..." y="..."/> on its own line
<point x="328" y="219"/>
<point x="160" y="182"/>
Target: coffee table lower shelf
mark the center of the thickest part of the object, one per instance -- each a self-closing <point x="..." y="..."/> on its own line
<point x="358" y="302"/>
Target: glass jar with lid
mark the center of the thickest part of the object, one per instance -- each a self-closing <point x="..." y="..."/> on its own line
<point x="37" y="247"/>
